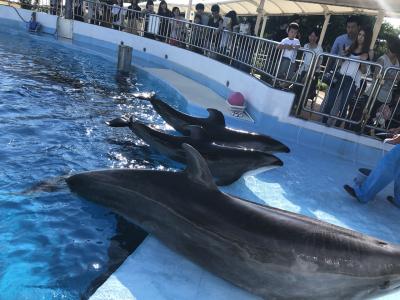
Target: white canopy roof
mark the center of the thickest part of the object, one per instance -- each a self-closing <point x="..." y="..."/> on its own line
<point x="300" y="7"/>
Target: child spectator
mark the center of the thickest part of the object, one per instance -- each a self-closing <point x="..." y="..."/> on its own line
<point x="290" y="46"/>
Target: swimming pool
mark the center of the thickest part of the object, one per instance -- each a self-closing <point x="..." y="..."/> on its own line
<point x="54" y="101"/>
<point x="54" y="104"/>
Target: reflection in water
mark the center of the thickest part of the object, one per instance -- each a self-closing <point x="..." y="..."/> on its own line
<point x="126" y="239"/>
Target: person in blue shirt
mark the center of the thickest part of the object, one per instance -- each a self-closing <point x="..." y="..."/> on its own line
<point x="33" y="25"/>
<point x="386" y="171"/>
<point x="344" y="41"/>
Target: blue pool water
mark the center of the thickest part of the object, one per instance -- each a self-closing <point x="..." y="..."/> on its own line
<point x="54" y="101"/>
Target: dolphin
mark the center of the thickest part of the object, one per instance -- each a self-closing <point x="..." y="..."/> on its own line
<point x="227" y="164"/>
<point x="269" y="252"/>
<point x="215" y="126"/>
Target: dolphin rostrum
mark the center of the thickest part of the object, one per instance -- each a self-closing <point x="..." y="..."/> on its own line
<point x="270" y="252"/>
<point x="227" y="164"/>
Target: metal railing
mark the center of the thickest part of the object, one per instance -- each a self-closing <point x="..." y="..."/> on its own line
<point x="339" y="90"/>
<point x="53" y="7"/>
<point x="384" y="111"/>
<point x="259" y="56"/>
<point x="332" y="89"/>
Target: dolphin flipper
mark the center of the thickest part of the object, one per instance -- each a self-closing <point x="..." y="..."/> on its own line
<point x="197" y="169"/>
<point x="215" y="117"/>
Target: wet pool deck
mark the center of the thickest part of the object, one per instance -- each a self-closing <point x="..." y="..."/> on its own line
<point x="198" y="94"/>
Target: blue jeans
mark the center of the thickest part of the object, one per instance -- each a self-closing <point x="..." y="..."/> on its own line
<point x="387" y="170"/>
<point x="345" y="86"/>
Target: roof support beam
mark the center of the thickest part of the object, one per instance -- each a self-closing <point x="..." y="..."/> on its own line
<point x="188" y="10"/>
<point x="377" y="27"/>
<point x="260" y="12"/>
<point x="264" y="23"/>
<point x="324" y="28"/>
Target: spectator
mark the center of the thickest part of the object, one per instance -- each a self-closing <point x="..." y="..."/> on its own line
<point x="289" y="45"/>
<point x="197" y="35"/>
<point x="384" y="173"/>
<point x="349" y="77"/>
<point x="118" y="14"/>
<point x="230" y="24"/>
<point x="33" y="25"/>
<point x="177" y="28"/>
<point x="133" y="16"/>
<point x="215" y="21"/>
<point x="151" y="23"/>
<point x="204" y="16"/>
<point x="134" y="5"/>
<point x="344" y="41"/>
<point x="384" y="97"/>
<point x="312" y="46"/>
<point x="281" y="33"/>
<point x="93" y="11"/>
<point x="164" y="12"/>
<point x="245" y="27"/>
<point x="78" y="10"/>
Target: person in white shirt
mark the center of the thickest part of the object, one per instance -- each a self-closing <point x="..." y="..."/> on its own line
<point x="289" y="46"/>
<point x="311" y="46"/>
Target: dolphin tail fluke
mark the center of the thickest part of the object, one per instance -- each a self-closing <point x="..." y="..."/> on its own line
<point x="215" y="117"/>
<point x="197" y="168"/>
<point x="118" y="122"/>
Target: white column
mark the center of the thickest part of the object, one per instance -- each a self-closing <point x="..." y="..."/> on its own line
<point x="188" y="10"/>
<point x="260" y="12"/>
<point x="265" y="18"/>
<point x="377" y="27"/>
<point x="324" y="28"/>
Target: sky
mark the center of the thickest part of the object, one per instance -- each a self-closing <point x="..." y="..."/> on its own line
<point x="394" y="21"/>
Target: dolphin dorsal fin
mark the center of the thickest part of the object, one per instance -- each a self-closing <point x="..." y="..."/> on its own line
<point x="197" y="168"/>
<point x="215" y="117"/>
<point x="197" y="133"/>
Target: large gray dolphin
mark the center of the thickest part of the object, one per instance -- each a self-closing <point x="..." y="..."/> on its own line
<point x="227" y="164"/>
<point x="215" y="127"/>
<point x="270" y="252"/>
